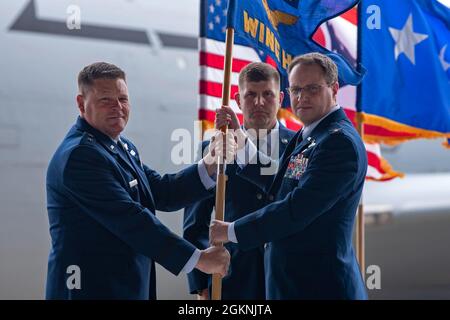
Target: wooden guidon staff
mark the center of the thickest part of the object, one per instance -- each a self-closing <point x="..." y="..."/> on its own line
<point x="221" y="166"/>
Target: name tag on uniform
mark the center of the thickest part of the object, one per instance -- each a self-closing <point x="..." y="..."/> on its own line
<point x="296" y="167"/>
<point x="133" y="183"/>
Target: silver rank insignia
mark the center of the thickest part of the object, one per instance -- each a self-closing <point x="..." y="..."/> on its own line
<point x="335" y="130"/>
<point x="296" y="167"/>
<point x="312" y="143"/>
<point x="133" y="183"/>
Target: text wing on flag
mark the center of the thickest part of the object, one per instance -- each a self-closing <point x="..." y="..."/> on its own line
<point x="284" y="29"/>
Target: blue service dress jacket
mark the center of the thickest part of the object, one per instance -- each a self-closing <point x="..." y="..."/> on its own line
<point x="308" y="228"/>
<point x="245" y="279"/>
<point x="101" y="202"/>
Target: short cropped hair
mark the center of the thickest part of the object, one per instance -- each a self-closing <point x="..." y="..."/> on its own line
<point x="98" y="70"/>
<point x="258" y="71"/>
<point x="328" y="66"/>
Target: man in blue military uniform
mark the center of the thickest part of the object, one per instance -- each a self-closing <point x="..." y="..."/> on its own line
<point x="308" y="228"/>
<point x="102" y="199"/>
<point x="259" y="98"/>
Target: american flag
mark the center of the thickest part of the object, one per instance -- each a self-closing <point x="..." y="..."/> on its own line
<point x="338" y="34"/>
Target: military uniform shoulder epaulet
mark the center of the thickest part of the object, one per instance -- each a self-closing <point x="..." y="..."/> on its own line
<point x="87" y="138"/>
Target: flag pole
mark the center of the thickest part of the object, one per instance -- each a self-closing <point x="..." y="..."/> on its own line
<point x="221" y="165"/>
<point x="360" y="223"/>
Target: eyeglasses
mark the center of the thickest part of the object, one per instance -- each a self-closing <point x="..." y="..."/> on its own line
<point x="311" y="89"/>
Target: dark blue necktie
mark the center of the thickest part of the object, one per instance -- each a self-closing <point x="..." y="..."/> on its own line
<point x="300" y="137"/>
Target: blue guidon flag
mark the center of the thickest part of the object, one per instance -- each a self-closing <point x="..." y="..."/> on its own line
<point x="407" y="55"/>
<point x="284" y="29"/>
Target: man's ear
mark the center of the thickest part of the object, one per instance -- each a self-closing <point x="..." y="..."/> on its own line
<point x="281" y="97"/>
<point x="335" y="88"/>
<point x="80" y="103"/>
<point x="237" y="98"/>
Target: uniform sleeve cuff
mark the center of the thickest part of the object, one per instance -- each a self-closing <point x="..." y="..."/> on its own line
<point x="192" y="262"/>
<point x="206" y="180"/>
<point x="231" y="233"/>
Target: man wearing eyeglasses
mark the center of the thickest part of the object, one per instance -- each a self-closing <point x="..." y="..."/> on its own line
<point x="308" y="227"/>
